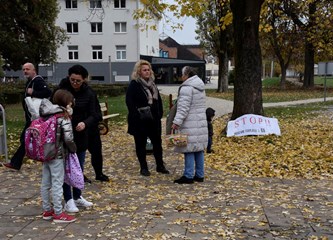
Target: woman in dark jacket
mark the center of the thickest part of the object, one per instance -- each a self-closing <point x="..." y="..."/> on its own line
<point x="142" y="92"/>
<point x="85" y="116"/>
<point x="94" y="139"/>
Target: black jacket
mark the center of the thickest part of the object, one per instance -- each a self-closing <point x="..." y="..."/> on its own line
<point x="86" y="109"/>
<point x="210" y="113"/>
<point x="40" y="90"/>
<point x="136" y="98"/>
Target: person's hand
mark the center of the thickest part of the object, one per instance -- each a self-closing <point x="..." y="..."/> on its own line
<point x="29" y="91"/>
<point x="175" y="126"/>
<point x="80" y="127"/>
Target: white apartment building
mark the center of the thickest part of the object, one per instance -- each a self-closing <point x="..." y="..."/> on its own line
<point x="104" y="38"/>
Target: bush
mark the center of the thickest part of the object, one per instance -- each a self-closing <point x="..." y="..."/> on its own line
<point x="109" y="90"/>
<point x="12" y="93"/>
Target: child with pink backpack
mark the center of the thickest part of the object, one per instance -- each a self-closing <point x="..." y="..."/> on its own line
<point x="54" y="169"/>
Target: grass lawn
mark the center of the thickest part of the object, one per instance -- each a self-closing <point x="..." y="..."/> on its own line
<point x="272" y="93"/>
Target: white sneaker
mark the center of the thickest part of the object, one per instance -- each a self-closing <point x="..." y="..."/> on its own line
<point x="70" y="207"/>
<point x="81" y="202"/>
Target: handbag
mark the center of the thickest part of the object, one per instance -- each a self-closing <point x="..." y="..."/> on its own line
<point x="73" y="172"/>
<point x="33" y="105"/>
<point x="145" y="113"/>
<point x="176" y="139"/>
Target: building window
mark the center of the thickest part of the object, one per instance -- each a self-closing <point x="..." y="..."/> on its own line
<point x="71" y="4"/>
<point x="121" y="52"/>
<point x="96" y="27"/>
<point x="73" y="52"/>
<point x="95" y="4"/>
<point x="120" y="27"/>
<point x="119" y="3"/>
<point x="72" y="27"/>
<point x="97" y="53"/>
<point x="164" y="54"/>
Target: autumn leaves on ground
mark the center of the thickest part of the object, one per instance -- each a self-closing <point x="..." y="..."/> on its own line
<point x="304" y="149"/>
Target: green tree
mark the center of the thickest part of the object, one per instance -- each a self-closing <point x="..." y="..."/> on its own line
<point x="28" y="32"/>
<point x="247" y="53"/>
<point x="215" y="35"/>
<point x="279" y="36"/>
<point x="314" y="19"/>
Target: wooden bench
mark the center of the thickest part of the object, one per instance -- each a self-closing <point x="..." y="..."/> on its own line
<point x="103" y="125"/>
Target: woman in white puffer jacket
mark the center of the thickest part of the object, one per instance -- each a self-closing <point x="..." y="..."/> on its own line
<point x="191" y="120"/>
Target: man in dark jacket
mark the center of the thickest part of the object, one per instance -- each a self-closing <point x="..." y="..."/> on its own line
<point x="35" y="87"/>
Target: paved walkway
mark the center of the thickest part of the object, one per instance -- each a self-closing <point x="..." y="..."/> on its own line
<point x="136" y="207"/>
<point x="131" y="206"/>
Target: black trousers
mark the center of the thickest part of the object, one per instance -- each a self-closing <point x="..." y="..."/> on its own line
<point x="17" y="160"/>
<point x="95" y="149"/>
<point x="140" y="148"/>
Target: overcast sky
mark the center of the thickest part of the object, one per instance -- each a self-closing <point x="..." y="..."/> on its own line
<point x="184" y="36"/>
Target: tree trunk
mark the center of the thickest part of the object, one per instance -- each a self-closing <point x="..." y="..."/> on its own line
<point x="223" y="62"/>
<point x="223" y="73"/>
<point x="283" y="76"/>
<point x="248" y="65"/>
<point x="309" y="50"/>
<point x="309" y="66"/>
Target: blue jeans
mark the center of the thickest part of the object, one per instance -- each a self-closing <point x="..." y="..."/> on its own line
<point x="194" y="160"/>
<point x="67" y="189"/>
<point x="52" y="181"/>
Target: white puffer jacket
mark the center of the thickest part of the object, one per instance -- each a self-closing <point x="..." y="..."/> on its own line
<point x="191" y="115"/>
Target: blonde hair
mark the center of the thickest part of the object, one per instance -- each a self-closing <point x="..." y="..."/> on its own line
<point x="137" y="69"/>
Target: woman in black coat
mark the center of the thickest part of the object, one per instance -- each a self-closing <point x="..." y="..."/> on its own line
<point x="85" y="116"/>
<point x="142" y="92"/>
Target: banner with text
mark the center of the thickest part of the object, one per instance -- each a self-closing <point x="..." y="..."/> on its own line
<point x="251" y="124"/>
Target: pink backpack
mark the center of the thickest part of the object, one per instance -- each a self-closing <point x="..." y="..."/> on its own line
<point x="41" y="140"/>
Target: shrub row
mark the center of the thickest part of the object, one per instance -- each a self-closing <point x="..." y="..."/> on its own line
<point x="11" y="93"/>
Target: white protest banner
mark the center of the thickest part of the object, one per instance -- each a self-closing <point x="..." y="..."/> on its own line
<point x="251" y="124"/>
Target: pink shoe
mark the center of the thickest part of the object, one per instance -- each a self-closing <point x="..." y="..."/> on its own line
<point x="48" y="215"/>
<point x="63" y="218"/>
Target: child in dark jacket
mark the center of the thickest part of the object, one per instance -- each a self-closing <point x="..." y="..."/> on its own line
<point x="210" y="113"/>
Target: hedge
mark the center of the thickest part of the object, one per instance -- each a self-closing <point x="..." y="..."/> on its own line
<point x="11" y="93"/>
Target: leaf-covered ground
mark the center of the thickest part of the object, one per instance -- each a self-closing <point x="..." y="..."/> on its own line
<point x="304" y="150"/>
<point x="225" y="206"/>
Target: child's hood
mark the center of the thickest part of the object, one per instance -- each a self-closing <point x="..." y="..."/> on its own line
<point x="47" y="108"/>
<point x="210" y="112"/>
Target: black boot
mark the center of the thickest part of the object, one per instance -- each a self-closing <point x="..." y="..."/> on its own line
<point x="184" y="180"/>
<point x="103" y="178"/>
<point x="145" y="172"/>
<point x="86" y="180"/>
<point x="198" y="179"/>
<point x="162" y="170"/>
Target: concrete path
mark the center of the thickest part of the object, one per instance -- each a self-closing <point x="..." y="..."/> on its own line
<point x="223" y="107"/>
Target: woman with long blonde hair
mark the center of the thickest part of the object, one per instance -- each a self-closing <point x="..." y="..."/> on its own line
<point x="145" y="110"/>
